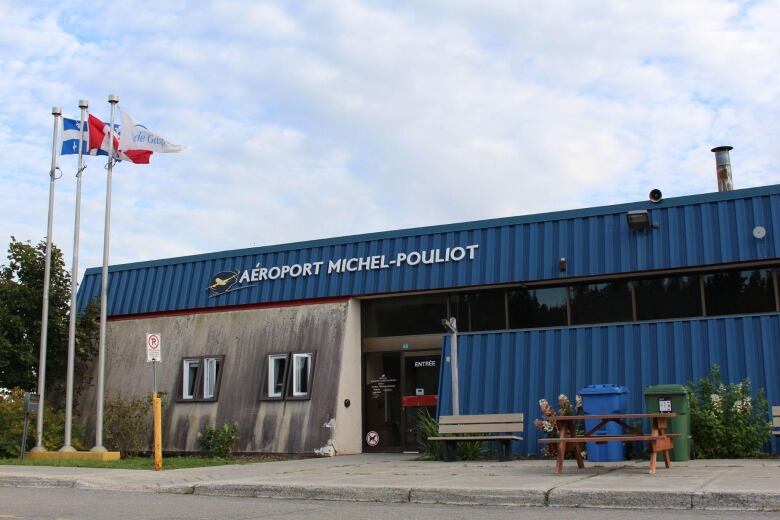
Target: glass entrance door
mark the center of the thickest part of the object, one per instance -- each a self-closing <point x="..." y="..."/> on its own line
<point x="382" y="402"/>
<point x="397" y="386"/>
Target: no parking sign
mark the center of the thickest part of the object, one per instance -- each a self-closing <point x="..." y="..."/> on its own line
<point x="153" y="344"/>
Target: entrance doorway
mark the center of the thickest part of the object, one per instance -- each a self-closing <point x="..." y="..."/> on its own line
<point x="397" y="386"/>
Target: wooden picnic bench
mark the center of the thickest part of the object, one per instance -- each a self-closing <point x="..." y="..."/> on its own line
<point x="776" y="420"/>
<point x="498" y="428"/>
<point x="570" y="441"/>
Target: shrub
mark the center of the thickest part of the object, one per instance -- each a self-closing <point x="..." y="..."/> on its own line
<point x="428" y="426"/>
<point x="127" y="423"/>
<point x="219" y="442"/>
<point x="726" y="421"/>
<point x="12" y="424"/>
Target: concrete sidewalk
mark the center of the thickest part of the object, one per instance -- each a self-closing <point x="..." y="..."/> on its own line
<point x="701" y="484"/>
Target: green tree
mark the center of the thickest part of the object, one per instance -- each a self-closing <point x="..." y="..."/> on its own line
<point x="21" y="295"/>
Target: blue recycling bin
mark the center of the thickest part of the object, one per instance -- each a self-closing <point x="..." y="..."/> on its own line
<point x="600" y="400"/>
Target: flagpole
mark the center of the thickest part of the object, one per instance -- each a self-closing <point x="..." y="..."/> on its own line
<point x="56" y="112"/>
<point x="113" y="99"/>
<point x="74" y="283"/>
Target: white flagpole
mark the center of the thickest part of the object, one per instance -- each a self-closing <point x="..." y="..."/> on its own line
<point x="56" y="112"/>
<point x="74" y="283"/>
<point x="113" y="99"/>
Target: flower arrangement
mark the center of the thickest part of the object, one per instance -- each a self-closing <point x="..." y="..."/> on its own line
<point x="548" y="424"/>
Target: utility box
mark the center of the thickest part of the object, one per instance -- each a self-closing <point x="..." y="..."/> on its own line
<point x="673" y="398"/>
<point x="603" y="400"/>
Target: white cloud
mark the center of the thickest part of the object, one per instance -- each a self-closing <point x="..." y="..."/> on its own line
<point x="329" y="118"/>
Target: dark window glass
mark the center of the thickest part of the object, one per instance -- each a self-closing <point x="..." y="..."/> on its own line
<point x="607" y="302"/>
<point x="739" y="292"/>
<point x="667" y="297"/>
<point x="401" y="316"/>
<point x="477" y="311"/>
<point x="280" y="369"/>
<point x="531" y="308"/>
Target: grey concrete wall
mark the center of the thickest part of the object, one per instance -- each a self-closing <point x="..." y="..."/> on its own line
<point x="244" y="337"/>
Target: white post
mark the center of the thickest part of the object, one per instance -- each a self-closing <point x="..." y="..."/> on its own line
<point x="454" y="370"/>
<point x="56" y="112"/>
<point x="74" y="283"/>
<point x="113" y="100"/>
<point x="452" y="326"/>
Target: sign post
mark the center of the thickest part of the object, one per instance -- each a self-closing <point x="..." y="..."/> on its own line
<point x="153" y="356"/>
<point x="30" y="406"/>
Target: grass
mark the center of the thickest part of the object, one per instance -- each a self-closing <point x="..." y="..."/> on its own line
<point x="142" y="463"/>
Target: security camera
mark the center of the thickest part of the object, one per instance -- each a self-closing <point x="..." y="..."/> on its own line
<point x="655" y="195"/>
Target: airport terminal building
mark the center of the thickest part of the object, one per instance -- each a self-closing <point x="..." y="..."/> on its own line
<point x="332" y="346"/>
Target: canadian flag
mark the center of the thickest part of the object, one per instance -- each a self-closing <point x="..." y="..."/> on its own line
<point x="98" y="142"/>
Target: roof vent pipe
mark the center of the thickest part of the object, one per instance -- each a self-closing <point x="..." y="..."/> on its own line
<point x="723" y="167"/>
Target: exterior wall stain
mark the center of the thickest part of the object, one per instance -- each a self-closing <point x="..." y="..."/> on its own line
<point x="244" y="338"/>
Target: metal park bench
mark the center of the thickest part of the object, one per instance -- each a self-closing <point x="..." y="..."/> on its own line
<point x="498" y="428"/>
<point x="776" y="420"/>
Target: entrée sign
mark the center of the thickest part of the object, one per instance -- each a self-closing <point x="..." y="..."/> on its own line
<point x="227" y="281"/>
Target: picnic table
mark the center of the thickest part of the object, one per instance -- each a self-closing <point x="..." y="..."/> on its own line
<point x="570" y="441"/>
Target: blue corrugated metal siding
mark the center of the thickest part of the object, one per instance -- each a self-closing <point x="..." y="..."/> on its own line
<point x="693" y="231"/>
<point x="510" y="371"/>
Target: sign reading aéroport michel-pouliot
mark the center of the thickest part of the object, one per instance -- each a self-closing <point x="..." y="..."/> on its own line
<point x="227" y="281"/>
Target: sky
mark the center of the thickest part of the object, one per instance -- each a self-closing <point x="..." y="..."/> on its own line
<point x="307" y="120"/>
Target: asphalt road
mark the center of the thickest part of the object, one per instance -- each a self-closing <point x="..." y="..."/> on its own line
<point x="66" y="504"/>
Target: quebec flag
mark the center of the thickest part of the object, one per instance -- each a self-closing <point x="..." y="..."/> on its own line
<point x="71" y="133"/>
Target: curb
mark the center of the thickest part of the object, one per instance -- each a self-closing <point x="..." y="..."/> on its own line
<point x="736" y="501"/>
<point x="556" y="497"/>
<point x="37" y="482"/>
<point x="604" y="498"/>
<point x="298" y="492"/>
<point x="479" y="497"/>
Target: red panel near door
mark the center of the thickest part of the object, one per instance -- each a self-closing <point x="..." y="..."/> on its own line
<point x="416" y="401"/>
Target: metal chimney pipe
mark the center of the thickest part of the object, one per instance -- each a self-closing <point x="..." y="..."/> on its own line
<point x="723" y="167"/>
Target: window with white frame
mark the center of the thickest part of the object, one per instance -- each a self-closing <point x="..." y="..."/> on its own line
<point x="211" y="368"/>
<point x="277" y="374"/>
<point x="301" y="374"/>
<point x="189" y="380"/>
<point x="200" y="377"/>
<point x="287" y="376"/>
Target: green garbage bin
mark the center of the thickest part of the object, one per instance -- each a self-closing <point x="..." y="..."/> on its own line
<point x="673" y="398"/>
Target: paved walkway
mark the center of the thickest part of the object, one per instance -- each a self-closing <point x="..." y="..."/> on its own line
<point x="710" y="484"/>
